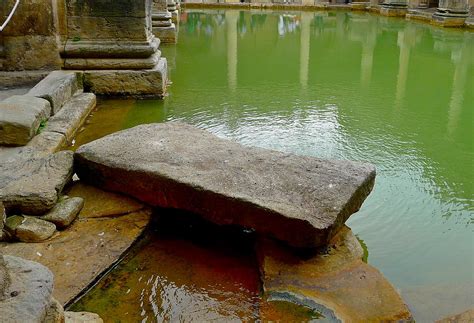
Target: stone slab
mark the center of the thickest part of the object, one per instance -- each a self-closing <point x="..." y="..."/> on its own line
<point x="110" y="48"/>
<point x="111" y="63"/>
<point x="82" y="317"/>
<point x="79" y="254"/>
<point x="30" y="184"/>
<point x="301" y="200"/>
<point x="29" y="295"/>
<point x="333" y="280"/>
<point x="128" y="83"/>
<point x="464" y="317"/>
<point x="47" y="143"/>
<point x="72" y="115"/>
<point x="58" y="87"/>
<point x="20" y="118"/>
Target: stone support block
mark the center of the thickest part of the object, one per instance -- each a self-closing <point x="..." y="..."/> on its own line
<point x="58" y="87"/>
<point x="47" y="143"/>
<point x="112" y="63"/>
<point x="128" y="83"/>
<point x="20" y="119"/>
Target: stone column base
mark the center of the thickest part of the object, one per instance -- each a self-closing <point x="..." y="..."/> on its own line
<point x="448" y="21"/>
<point x="149" y="83"/>
<point x="393" y="11"/>
<point x="167" y="35"/>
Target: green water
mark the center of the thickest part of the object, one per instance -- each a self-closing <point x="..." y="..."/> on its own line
<point x="349" y="86"/>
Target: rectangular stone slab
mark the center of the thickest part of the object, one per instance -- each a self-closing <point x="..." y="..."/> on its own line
<point x="298" y="199"/>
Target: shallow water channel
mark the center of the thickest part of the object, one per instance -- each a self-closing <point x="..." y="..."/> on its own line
<point x="340" y="85"/>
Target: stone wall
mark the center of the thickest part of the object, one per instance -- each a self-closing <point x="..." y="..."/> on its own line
<point x="32" y="39"/>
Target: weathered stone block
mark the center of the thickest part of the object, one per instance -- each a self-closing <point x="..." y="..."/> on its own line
<point x="58" y="87"/>
<point x="335" y="280"/>
<point x="29" y="295"/>
<point x="128" y="83"/>
<point x="29" y="229"/>
<point x="31" y="184"/>
<point x="20" y="118"/>
<point x="297" y="199"/>
<point x="82" y="317"/>
<point x="72" y="115"/>
<point x="64" y="212"/>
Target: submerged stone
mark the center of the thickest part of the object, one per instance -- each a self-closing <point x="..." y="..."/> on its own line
<point x="64" y="212"/>
<point x="30" y="229"/>
<point x="30" y="184"/>
<point x="82" y="317"/>
<point x="78" y="255"/>
<point x="298" y="199"/>
<point x="334" y="281"/>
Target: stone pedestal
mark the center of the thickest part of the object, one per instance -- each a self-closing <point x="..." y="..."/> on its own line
<point x="115" y="36"/>
<point x="394" y="8"/>
<point x="163" y="27"/>
<point x="451" y="13"/>
<point x="173" y="8"/>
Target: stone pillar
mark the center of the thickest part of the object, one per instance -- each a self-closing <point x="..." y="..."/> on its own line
<point x="114" y="43"/>
<point x="231" y="18"/>
<point x="451" y="13"/>
<point x="173" y="8"/>
<point x="305" y="47"/>
<point x="163" y="27"/>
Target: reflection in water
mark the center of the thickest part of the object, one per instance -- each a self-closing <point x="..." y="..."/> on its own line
<point x="349" y="86"/>
<point x="184" y="270"/>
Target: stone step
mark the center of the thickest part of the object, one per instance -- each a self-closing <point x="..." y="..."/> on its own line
<point x="58" y="88"/>
<point x="298" y="199"/>
<point x="20" y="118"/>
<point x="72" y="115"/>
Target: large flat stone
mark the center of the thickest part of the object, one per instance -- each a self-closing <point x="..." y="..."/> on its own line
<point x="28" y="297"/>
<point x="20" y="118"/>
<point x="334" y="281"/>
<point x="71" y="117"/>
<point x="128" y="83"/>
<point x="58" y="87"/>
<point x="301" y="200"/>
<point x="79" y="254"/>
<point x="31" y="184"/>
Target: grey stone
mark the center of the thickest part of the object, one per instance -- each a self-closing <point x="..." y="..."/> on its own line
<point x="128" y="83"/>
<point x="110" y="49"/>
<point x="29" y="295"/>
<point x="82" y="317"/>
<point x="298" y="199"/>
<point x="73" y="114"/>
<point x="58" y="87"/>
<point x="31" y="184"/>
<point x="20" y="118"/>
<point x="64" y="212"/>
<point x="29" y="229"/>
